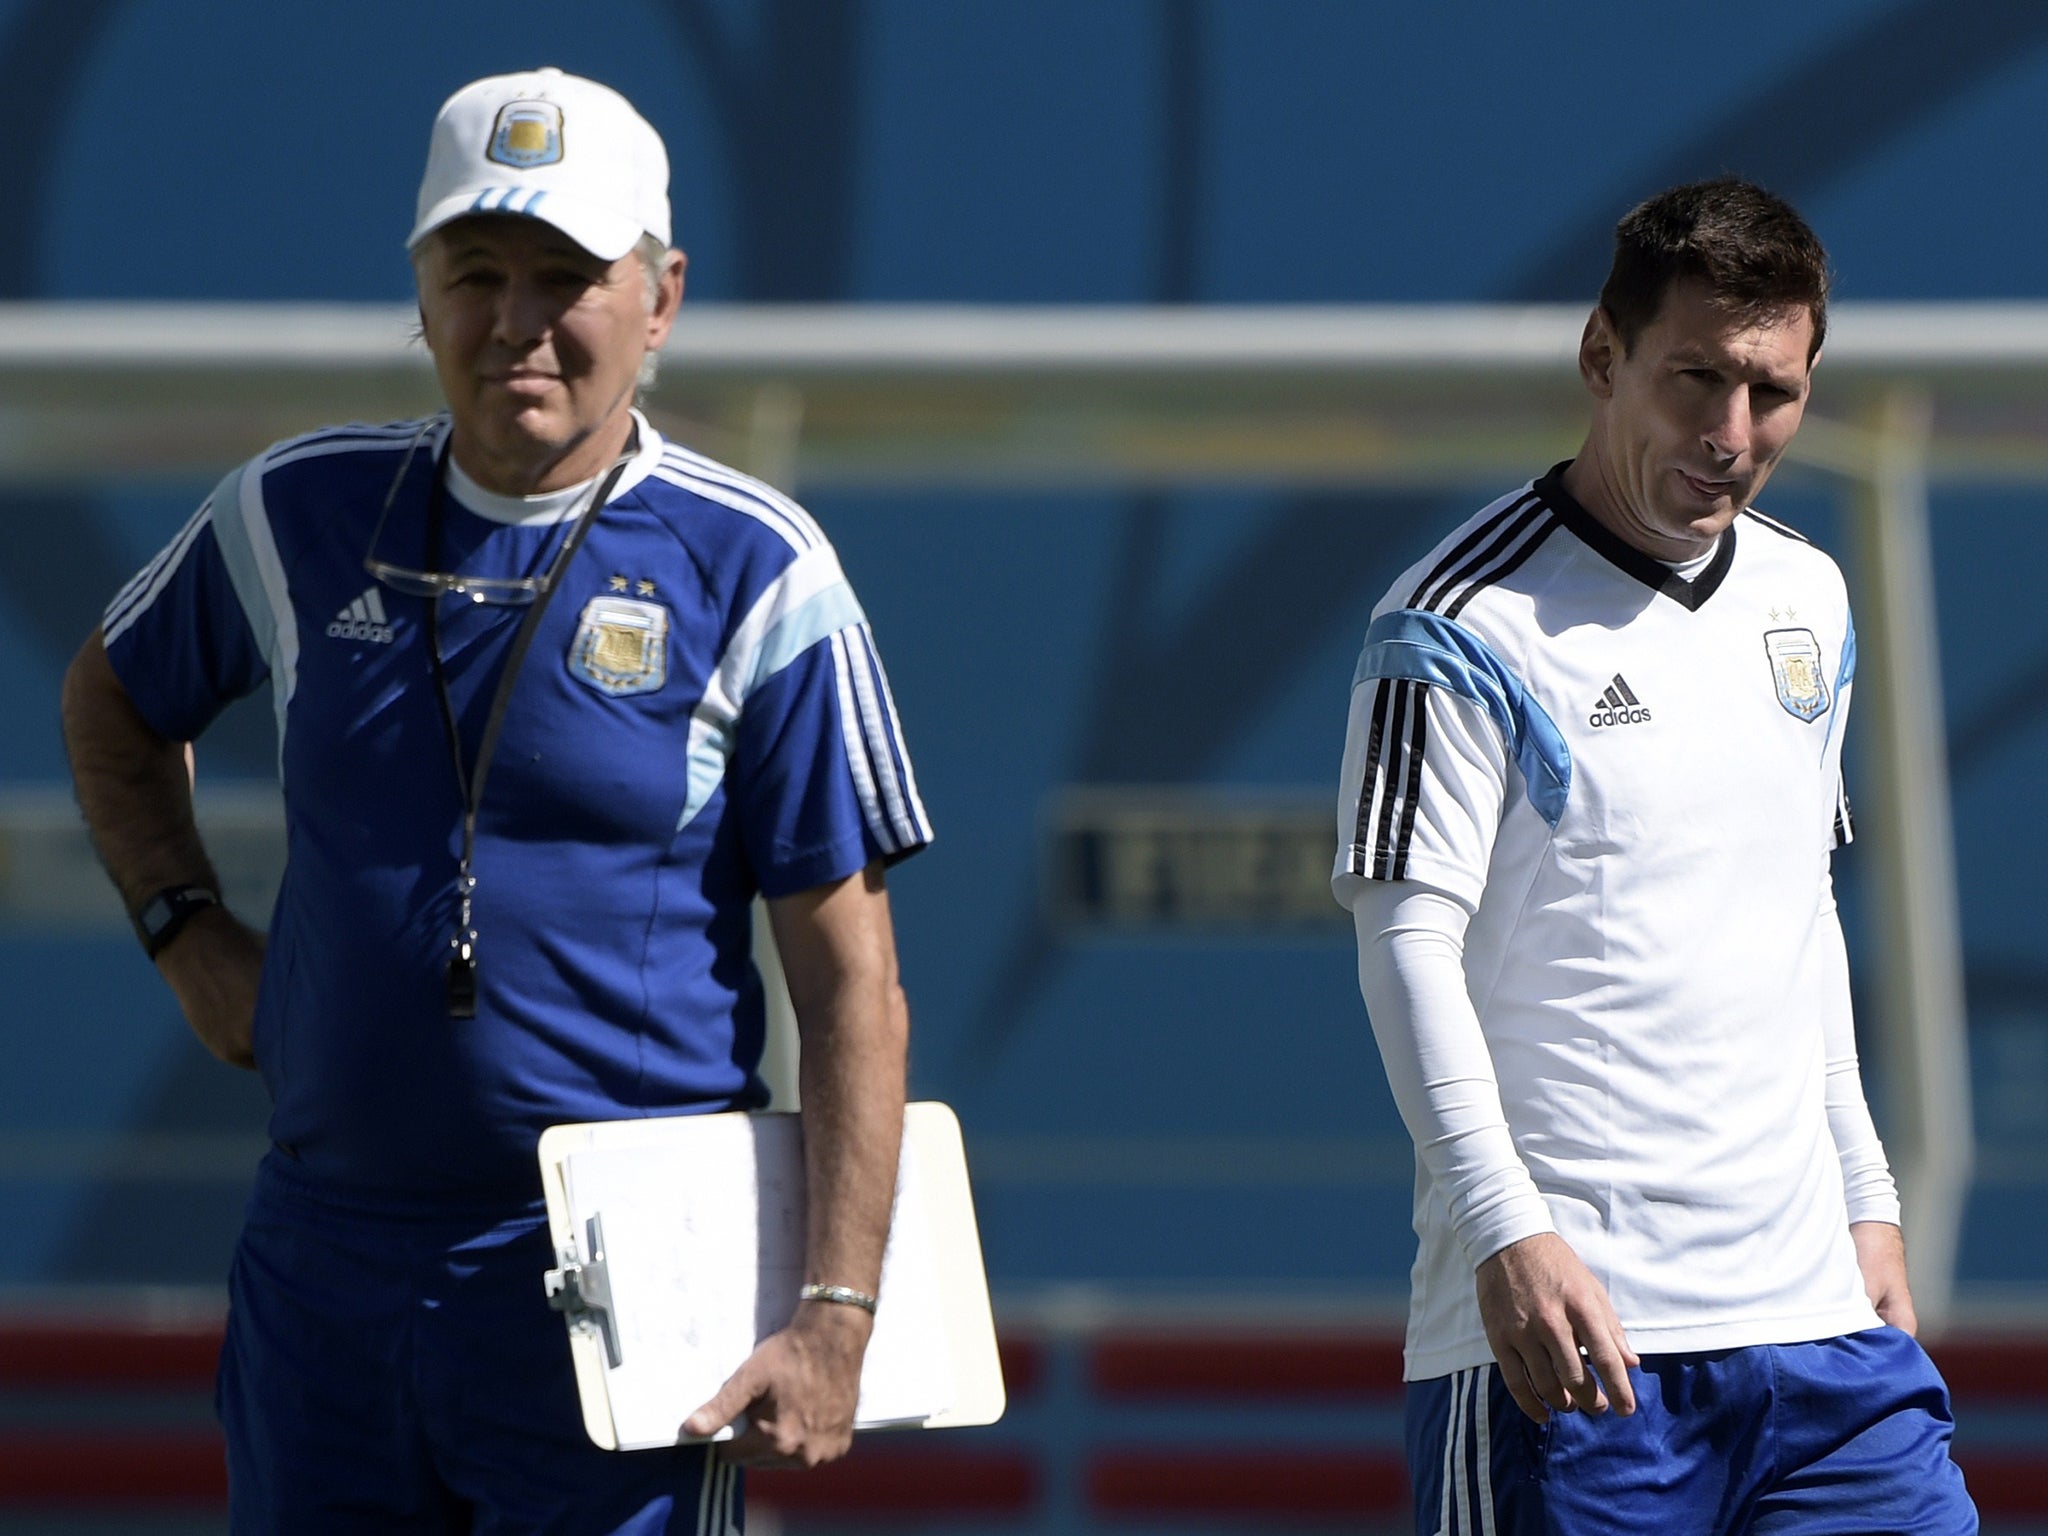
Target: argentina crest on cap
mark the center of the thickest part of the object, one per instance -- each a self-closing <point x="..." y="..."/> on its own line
<point x="526" y="134"/>
<point x="621" y="646"/>
<point x="1796" y="668"/>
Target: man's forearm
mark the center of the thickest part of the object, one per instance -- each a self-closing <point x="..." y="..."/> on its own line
<point x="852" y="1085"/>
<point x="136" y="793"/>
<point x="132" y="784"/>
<point x="840" y="956"/>
<point x="801" y="1386"/>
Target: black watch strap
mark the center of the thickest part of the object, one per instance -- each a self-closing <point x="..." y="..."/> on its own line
<point x="164" y="916"/>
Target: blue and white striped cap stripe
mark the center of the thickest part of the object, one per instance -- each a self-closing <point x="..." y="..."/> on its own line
<point x="505" y="200"/>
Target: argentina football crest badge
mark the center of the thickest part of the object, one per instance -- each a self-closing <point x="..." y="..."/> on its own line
<point x="1796" y="668"/>
<point x="621" y="646"/>
<point x="527" y="134"/>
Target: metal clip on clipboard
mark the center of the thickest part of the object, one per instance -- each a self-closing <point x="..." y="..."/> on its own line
<point x="582" y="1288"/>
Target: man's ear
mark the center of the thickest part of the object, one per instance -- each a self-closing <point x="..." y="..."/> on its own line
<point x="668" y="298"/>
<point x="1600" y="350"/>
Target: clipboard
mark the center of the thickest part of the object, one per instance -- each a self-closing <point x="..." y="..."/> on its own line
<point x="679" y="1246"/>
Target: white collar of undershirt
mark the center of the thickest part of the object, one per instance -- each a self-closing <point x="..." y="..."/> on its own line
<point x="553" y="506"/>
<point x="1688" y="570"/>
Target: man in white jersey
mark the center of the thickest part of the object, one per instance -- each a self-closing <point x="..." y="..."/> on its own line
<point x="1591" y="783"/>
<point x="557" y="700"/>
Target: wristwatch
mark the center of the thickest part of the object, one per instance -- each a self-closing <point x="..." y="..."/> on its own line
<point x="164" y="916"/>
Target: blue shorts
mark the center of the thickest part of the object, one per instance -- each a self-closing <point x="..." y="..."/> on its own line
<point x="395" y="1368"/>
<point x="1842" y="1437"/>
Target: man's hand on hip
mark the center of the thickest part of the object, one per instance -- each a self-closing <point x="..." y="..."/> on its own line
<point x="1881" y="1255"/>
<point x="1553" y="1330"/>
<point x="214" y="967"/>
<point x="797" y="1389"/>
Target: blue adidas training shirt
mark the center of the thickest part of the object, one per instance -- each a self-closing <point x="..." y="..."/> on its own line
<point x="702" y="716"/>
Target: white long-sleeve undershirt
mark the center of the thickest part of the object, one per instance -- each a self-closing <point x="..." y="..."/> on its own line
<point x="1411" y="972"/>
<point x="1867" y="1185"/>
<point x="1411" y="969"/>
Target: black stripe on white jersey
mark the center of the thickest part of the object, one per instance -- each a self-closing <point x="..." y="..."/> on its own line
<point x="1375" y="739"/>
<point x="1459" y="557"/>
<point x="1507" y="555"/>
<point x="1390" y="786"/>
<point x="1383" y="859"/>
<point x="1395" y="743"/>
<point x="1775" y="526"/>
<point x="1411" y="791"/>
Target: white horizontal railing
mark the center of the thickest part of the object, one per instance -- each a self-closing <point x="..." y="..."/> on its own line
<point x="984" y="340"/>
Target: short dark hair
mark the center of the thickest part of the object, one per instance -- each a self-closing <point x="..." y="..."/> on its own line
<point x="1750" y="248"/>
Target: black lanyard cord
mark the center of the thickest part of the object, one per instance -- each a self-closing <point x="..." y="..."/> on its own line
<point x="461" y="968"/>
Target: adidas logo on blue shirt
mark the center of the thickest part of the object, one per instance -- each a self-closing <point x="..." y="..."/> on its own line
<point x="1618" y="706"/>
<point x="363" y="619"/>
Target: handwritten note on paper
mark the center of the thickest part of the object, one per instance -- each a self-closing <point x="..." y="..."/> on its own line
<point x="705" y="1240"/>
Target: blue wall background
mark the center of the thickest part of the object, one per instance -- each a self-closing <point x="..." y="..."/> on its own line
<point x="1071" y="151"/>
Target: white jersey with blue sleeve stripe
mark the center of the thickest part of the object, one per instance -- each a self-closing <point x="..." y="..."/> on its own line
<point x="1631" y="781"/>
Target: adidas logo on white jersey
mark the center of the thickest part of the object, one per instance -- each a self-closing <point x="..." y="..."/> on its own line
<point x="1618" y="706"/>
<point x="363" y="619"/>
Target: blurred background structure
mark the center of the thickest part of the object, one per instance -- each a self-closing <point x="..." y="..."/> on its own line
<point x="1120" y="614"/>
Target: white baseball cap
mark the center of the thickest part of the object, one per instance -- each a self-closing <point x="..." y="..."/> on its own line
<point x="548" y="146"/>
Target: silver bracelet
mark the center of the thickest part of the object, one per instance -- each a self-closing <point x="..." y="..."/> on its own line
<point x="845" y="1295"/>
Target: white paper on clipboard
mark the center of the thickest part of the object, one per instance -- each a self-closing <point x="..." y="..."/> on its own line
<point x="702" y="1225"/>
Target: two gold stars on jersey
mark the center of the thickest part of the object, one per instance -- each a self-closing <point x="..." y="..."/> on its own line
<point x="643" y="587"/>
